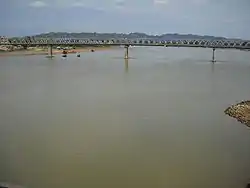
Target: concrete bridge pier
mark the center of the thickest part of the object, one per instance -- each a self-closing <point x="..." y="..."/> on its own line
<point x="213" y="58"/>
<point x="126" y="52"/>
<point x="25" y="47"/>
<point x="50" y="51"/>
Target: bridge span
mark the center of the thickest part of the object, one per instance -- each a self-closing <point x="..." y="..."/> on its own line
<point x="50" y="42"/>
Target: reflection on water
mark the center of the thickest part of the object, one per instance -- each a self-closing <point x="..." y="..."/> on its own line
<point x="126" y="65"/>
<point x="212" y="65"/>
<point x="82" y="123"/>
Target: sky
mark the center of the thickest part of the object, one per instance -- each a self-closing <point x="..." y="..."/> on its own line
<point x="227" y="18"/>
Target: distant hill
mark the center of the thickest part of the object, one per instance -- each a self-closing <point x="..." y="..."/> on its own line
<point x="128" y="36"/>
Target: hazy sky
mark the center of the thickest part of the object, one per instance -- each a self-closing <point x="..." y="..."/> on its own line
<point x="230" y="18"/>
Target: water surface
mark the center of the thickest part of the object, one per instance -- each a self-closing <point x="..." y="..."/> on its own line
<point x="154" y="121"/>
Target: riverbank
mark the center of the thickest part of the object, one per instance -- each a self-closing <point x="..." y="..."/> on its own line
<point x="44" y="51"/>
<point x="240" y="111"/>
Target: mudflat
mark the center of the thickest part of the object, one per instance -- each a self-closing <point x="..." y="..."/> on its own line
<point x="40" y="51"/>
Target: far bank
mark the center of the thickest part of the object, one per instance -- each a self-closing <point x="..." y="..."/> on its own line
<point x="44" y="51"/>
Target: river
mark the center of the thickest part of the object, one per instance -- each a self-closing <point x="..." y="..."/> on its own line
<point x="154" y="121"/>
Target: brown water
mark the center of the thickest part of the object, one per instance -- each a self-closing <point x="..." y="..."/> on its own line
<point x="98" y="121"/>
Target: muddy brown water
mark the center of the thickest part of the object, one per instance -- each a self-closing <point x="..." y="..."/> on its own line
<point x="156" y="120"/>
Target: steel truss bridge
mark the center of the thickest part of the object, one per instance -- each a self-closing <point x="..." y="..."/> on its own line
<point x="50" y="42"/>
<point x="236" y="44"/>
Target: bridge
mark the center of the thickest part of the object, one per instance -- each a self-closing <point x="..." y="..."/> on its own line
<point x="50" y="42"/>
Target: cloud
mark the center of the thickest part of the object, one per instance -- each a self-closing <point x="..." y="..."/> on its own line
<point x="199" y="2"/>
<point x="38" y="4"/>
<point x="160" y="2"/>
<point x="119" y="3"/>
<point x="78" y="4"/>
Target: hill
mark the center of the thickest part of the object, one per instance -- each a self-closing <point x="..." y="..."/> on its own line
<point x="128" y="36"/>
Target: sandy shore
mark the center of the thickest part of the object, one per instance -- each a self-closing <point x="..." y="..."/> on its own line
<point x="240" y="111"/>
<point x="40" y="51"/>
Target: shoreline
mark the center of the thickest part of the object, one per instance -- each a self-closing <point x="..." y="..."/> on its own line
<point x="40" y="51"/>
<point x="240" y="111"/>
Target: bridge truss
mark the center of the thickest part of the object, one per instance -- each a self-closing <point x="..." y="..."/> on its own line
<point x="236" y="44"/>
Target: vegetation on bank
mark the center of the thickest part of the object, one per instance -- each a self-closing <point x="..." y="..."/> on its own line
<point x="101" y="36"/>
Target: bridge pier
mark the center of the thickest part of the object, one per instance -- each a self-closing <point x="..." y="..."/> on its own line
<point x="50" y="51"/>
<point x="25" y="47"/>
<point x="126" y="52"/>
<point x="213" y="58"/>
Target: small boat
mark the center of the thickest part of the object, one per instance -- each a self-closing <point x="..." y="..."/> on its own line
<point x="78" y="55"/>
<point x="64" y="53"/>
<point x="92" y="50"/>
